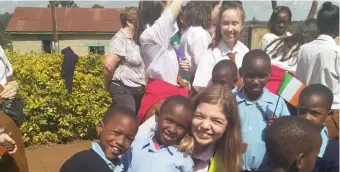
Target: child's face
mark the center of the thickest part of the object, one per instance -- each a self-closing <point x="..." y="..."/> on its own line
<point x="255" y="77"/>
<point x="172" y="124"/>
<point x="282" y="23"/>
<point x="116" y="135"/>
<point x="231" y="25"/>
<point x="313" y="108"/>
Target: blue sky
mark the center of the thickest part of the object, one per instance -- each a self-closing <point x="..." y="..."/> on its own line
<point x="260" y="9"/>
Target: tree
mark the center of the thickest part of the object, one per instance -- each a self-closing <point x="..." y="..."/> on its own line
<point x="67" y="4"/>
<point x="254" y="21"/>
<point x="97" y="6"/>
<point x="5" y="38"/>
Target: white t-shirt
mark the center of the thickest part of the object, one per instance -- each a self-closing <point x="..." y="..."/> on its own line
<point x="159" y="57"/>
<point x="5" y="67"/>
<point x="211" y="57"/>
<point x="194" y="43"/>
<point x="319" y="62"/>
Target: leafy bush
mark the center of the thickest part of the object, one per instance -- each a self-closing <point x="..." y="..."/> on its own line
<point x="53" y="114"/>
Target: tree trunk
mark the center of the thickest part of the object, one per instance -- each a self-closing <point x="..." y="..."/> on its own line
<point x="312" y="10"/>
<point x="274" y="4"/>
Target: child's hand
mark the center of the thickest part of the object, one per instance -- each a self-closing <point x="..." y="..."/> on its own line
<point x="8" y="143"/>
<point x="244" y="147"/>
<point x="271" y="119"/>
<point x="185" y="64"/>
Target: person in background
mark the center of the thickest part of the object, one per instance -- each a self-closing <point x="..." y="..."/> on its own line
<point x="224" y="46"/>
<point x="155" y="26"/>
<point x="123" y="67"/>
<point x="68" y="65"/>
<point x="257" y="106"/>
<point x="292" y="144"/>
<point x="225" y="72"/>
<point x="198" y="19"/>
<point x="279" y="26"/>
<point x="116" y="132"/>
<point x="9" y="88"/>
<point x="319" y="61"/>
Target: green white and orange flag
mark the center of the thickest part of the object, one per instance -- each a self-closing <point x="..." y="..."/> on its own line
<point x="290" y="89"/>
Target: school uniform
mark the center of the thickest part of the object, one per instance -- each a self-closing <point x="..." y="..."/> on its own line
<point x="91" y="160"/>
<point x="145" y="157"/>
<point x="268" y="38"/>
<point x="328" y="157"/>
<point x="160" y="61"/>
<point x="253" y="116"/>
<point x="211" y="57"/>
<point x="319" y="62"/>
<point x="194" y="42"/>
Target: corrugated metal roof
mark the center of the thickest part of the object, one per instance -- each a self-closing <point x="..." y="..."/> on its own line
<point x="35" y="19"/>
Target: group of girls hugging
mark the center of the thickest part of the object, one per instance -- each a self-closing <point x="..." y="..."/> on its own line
<point x="226" y="116"/>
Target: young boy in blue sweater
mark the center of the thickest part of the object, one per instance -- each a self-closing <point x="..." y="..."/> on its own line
<point x="257" y="106"/>
<point x="116" y="134"/>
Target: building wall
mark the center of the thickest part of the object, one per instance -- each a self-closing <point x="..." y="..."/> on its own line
<point x="79" y="43"/>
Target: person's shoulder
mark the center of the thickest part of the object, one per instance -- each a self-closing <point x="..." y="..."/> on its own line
<point x="241" y="47"/>
<point x="332" y="150"/>
<point x="79" y="160"/>
<point x="270" y="36"/>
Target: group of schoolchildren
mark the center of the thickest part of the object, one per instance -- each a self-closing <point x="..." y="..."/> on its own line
<point x="273" y="139"/>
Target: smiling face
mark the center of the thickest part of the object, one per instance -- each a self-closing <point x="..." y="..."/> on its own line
<point x="208" y="124"/>
<point x="116" y="135"/>
<point x="255" y="76"/>
<point x="172" y="124"/>
<point x="231" y="26"/>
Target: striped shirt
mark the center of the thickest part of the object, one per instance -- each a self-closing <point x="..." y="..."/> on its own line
<point x="130" y="70"/>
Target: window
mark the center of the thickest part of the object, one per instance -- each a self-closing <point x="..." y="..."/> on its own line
<point x="97" y="49"/>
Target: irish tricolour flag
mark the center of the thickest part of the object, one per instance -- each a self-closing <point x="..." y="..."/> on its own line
<point x="290" y="89"/>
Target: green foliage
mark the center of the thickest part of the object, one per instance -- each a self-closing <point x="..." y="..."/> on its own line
<point x="5" y="38"/>
<point x="53" y="114"/>
<point x="97" y="6"/>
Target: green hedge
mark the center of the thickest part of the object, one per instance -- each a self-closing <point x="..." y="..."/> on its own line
<point x="53" y="114"/>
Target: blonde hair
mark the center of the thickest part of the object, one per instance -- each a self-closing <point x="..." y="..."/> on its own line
<point x="229" y="145"/>
<point x="128" y="14"/>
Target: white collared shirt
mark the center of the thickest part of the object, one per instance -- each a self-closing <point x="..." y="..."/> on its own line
<point x="5" y="67"/>
<point x="211" y="57"/>
<point x="156" y="51"/>
<point x="319" y="62"/>
<point x="194" y="43"/>
<point x="205" y="158"/>
<point x="268" y="38"/>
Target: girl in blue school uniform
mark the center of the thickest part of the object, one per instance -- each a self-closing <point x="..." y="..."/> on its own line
<point x="257" y="106"/>
<point x="158" y="151"/>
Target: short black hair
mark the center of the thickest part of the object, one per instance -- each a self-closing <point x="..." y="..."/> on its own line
<point x="328" y="19"/>
<point x="222" y="68"/>
<point x="275" y="16"/>
<point x="177" y="100"/>
<point x="118" y="110"/>
<point x="318" y="90"/>
<point x="254" y="55"/>
<point x="289" y="136"/>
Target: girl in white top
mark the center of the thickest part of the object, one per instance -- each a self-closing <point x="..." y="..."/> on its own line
<point x="225" y="45"/>
<point x="8" y="87"/>
<point x="319" y="60"/>
<point x="284" y="50"/>
<point x="278" y="25"/>
<point x="198" y="16"/>
<point x="155" y="25"/>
